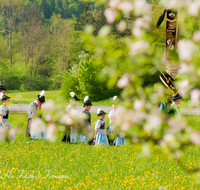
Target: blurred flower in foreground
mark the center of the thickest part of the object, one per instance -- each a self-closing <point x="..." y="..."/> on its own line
<point x="196" y="36"/>
<point x="124" y="81"/>
<point x="195" y="137"/>
<point x="139" y="47"/>
<point x="183" y="87"/>
<point x="110" y="15"/>
<point x="141" y="7"/>
<point x="49" y="105"/>
<point x="186" y="49"/>
<point x="195" y="95"/>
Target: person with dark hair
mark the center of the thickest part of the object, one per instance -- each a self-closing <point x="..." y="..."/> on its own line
<point x="87" y="104"/>
<point x="32" y="112"/>
<point x="67" y="135"/>
<point x="100" y="133"/>
<point x="2" y="89"/>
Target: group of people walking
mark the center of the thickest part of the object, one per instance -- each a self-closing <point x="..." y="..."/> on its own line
<point x="101" y="135"/>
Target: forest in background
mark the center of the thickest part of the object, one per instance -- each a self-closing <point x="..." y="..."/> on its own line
<point x="42" y="46"/>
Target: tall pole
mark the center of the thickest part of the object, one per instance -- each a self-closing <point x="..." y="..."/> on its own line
<point x="171" y="41"/>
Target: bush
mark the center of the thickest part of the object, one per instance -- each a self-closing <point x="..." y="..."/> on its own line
<point x="70" y="83"/>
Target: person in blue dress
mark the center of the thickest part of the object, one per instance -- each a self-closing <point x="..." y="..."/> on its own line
<point x="118" y="141"/>
<point x="100" y="133"/>
<point x="34" y="107"/>
<point x="4" y="112"/>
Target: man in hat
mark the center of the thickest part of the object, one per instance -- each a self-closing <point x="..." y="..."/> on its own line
<point x="174" y="110"/>
<point x="33" y="108"/>
<point x="2" y="89"/>
<point x="87" y="104"/>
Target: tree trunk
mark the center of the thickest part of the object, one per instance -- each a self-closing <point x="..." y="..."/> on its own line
<point x="38" y="56"/>
<point x="10" y="35"/>
<point x="27" y="60"/>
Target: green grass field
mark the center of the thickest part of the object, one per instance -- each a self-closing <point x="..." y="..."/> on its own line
<point x="27" y="164"/>
<point x="26" y="97"/>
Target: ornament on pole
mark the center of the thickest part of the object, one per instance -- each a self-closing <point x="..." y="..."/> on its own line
<point x="171" y="39"/>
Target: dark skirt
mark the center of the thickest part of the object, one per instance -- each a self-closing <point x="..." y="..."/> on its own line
<point x="66" y="136"/>
<point x="28" y="129"/>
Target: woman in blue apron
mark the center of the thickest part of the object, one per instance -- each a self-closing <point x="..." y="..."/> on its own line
<point x="32" y="113"/>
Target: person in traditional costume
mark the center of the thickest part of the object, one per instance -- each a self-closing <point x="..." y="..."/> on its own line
<point x="67" y="135"/>
<point x="34" y="107"/>
<point x="2" y="89"/>
<point x="174" y="109"/>
<point x="168" y="81"/>
<point x="100" y="133"/>
<point x="87" y="105"/>
<point x="118" y="141"/>
<point x="4" y="111"/>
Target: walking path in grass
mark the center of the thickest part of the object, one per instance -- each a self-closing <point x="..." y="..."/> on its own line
<point x="23" y="108"/>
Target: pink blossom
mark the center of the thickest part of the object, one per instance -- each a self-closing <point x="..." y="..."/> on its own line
<point x="125" y="126"/>
<point x="124" y="81"/>
<point x="139" y="47"/>
<point x="49" y="105"/>
<point x="195" y="96"/>
<point x="195" y="137"/>
<point x="186" y="49"/>
<point x="193" y="9"/>
<point x="196" y="36"/>
<point x="113" y="3"/>
<point x="125" y="6"/>
<point x="110" y="15"/>
<point x="49" y="117"/>
<point x="183" y="87"/>
<point x="141" y="7"/>
<point x="51" y="130"/>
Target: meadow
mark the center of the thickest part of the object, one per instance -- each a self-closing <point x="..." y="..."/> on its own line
<point x="26" y="97"/>
<point x="38" y="164"/>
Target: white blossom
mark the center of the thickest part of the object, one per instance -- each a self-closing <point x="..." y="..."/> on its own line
<point x="186" y="49"/>
<point x="125" y="126"/>
<point x="65" y="119"/>
<point x="125" y="6"/>
<point x="121" y="26"/>
<point x="141" y="7"/>
<point x="48" y="117"/>
<point x="110" y="15"/>
<point x="37" y="126"/>
<point x="49" y="105"/>
<point x="193" y="9"/>
<point x="196" y="36"/>
<point x="195" y="96"/>
<point x="124" y="81"/>
<point x="183" y="87"/>
<point x="138" y="104"/>
<point x="113" y="3"/>
<point x="139" y="47"/>
<point x="51" y="130"/>
<point x="195" y="137"/>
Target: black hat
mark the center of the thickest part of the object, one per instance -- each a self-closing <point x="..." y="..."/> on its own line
<point x="87" y="101"/>
<point x="5" y="97"/>
<point x="2" y="87"/>
<point x="41" y="97"/>
<point x="73" y="96"/>
<point x="168" y="81"/>
<point x="100" y="112"/>
<point x="176" y="96"/>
